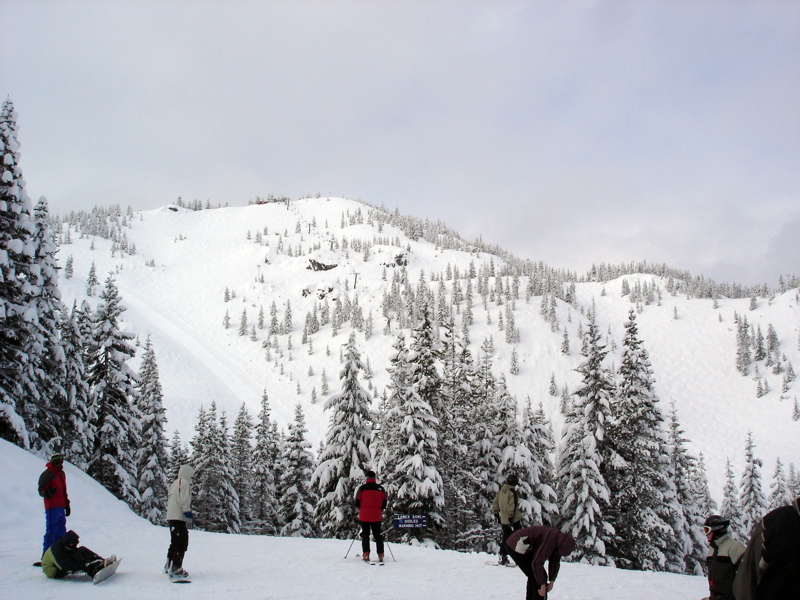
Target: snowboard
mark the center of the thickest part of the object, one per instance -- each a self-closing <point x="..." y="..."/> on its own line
<point x="106" y="572"/>
<point x="494" y="563"/>
<point x="176" y="579"/>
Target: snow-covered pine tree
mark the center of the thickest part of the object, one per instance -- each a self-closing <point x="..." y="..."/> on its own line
<point x="415" y="483"/>
<point x="81" y="437"/>
<point x="263" y="500"/>
<point x="538" y="435"/>
<point x="91" y="280"/>
<point x="214" y="502"/>
<point x="752" y="502"/>
<point x="178" y="455"/>
<point x="484" y="455"/>
<point x="18" y="392"/>
<point x="639" y="478"/>
<point x="687" y="522"/>
<point x="515" y="453"/>
<point x="298" y="498"/>
<point x="454" y="435"/>
<point x="43" y="346"/>
<point x="241" y="461"/>
<point x="117" y="422"/>
<point x="584" y="457"/>
<point x="780" y="494"/>
<point x="702" y="494"/>
<point x="346" y="454"/>
<point x="730" y="503"/>
<point x="152" y="461"/>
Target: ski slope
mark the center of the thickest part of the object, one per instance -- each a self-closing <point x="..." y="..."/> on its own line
<point x="236" y="567"/>
<point x="200" y="254"/>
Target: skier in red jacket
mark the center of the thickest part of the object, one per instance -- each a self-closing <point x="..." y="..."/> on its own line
<point x="371" y="500"/>
<point x="53" y="488"/>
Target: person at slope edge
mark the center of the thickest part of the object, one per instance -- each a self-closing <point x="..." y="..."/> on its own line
<point x="371" y="500"/>
<point x="770" y="568"/>
<point x="506" y="508"/>
<point x="724" y="555"/>
<point x="531" y="547"/>
<point x="65" y="557"/>
<point x="53" y="488"/>
<point x="180" y="519"/>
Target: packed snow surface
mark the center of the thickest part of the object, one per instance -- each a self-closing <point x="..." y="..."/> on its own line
<point x="239" y="567"/>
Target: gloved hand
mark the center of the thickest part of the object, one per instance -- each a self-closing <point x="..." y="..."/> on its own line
<point x="67" y="510"/>
<point x="189" y="519"/>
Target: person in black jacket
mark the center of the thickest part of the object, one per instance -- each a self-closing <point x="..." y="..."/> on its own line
<point x="371" y="500"/>
<point x="65" y="557"/>
<point x="770" y="567"/>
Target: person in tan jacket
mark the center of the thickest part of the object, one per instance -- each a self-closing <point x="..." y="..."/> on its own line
<point x="506" y="509"/>
<point x="180" y="520"/>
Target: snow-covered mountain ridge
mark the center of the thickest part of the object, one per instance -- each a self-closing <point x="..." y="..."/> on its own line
<point x="175" y="283"/>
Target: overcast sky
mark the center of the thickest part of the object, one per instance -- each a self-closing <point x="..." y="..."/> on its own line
<point x="569" y="132"/>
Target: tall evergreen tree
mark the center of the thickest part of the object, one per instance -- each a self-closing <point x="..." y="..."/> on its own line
<point x="215" y="501"/>
<point x="152" y="461"/>
<point x="689" y="549"/>
<point x="752" y="502"/>
<point x="178" y="455"/>
<point x="298" y="498"/>
<point x="538" y="435"/>
<point x="18" y="390"/>
<point x="454" y="436"/>
<point x="640" y="479"/>
<point x="241" y="461"/>
<point x="346" y="454"/>
<point x="80" y="417"/>
<point x="730" y="503"/>
<point x="584" y="457"/>
<point x="43" y="346"/>
<point x="117" y="422"/>
<point x="264" y="519"/>
<point x="705" y="503"/>
<point x="780" y="494"/>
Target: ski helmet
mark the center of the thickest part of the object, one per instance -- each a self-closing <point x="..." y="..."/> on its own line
<point x="716" y="524"/>
<point x="513" y="479"/>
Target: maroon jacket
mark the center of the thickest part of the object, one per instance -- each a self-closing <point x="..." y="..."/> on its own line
<point x="53" y="487"/>
<point x="544" y="544"/>
<point x="370" y="500"/>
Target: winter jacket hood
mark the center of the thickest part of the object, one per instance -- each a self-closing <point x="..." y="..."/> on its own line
<point x="186" y="472"/>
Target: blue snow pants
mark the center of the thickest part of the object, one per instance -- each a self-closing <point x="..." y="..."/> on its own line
<point x="55" y="523"/>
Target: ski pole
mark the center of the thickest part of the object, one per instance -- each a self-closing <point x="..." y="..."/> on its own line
<point x="390" y="551"/>
<point x="351" y="543"/>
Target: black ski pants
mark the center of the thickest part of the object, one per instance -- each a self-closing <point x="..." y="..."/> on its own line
<point x="507" y="531"/>
<point x="376" y="533"/>
<point x="524" y="564"/>
<point x="178" y="543"/>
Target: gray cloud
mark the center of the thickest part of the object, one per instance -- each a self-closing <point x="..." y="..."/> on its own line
<point x="574" y="134"/>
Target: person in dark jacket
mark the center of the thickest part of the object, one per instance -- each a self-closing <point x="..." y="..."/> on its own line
<point x="506" y="509"/>
<point x="531" y="547"/>
<point x="53" y="488"/>
<point x="65" y="557"/>
<point x="770" y="568"/>
<point x="724" y="556"/>
<point x="371" y="500"/>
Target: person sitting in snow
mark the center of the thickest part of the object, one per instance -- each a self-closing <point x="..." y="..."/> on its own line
<point x="371" y="500"/>
<point x="53" y="488"/>
<point x="66" y="557"/>
<point x="531" y="547"/>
